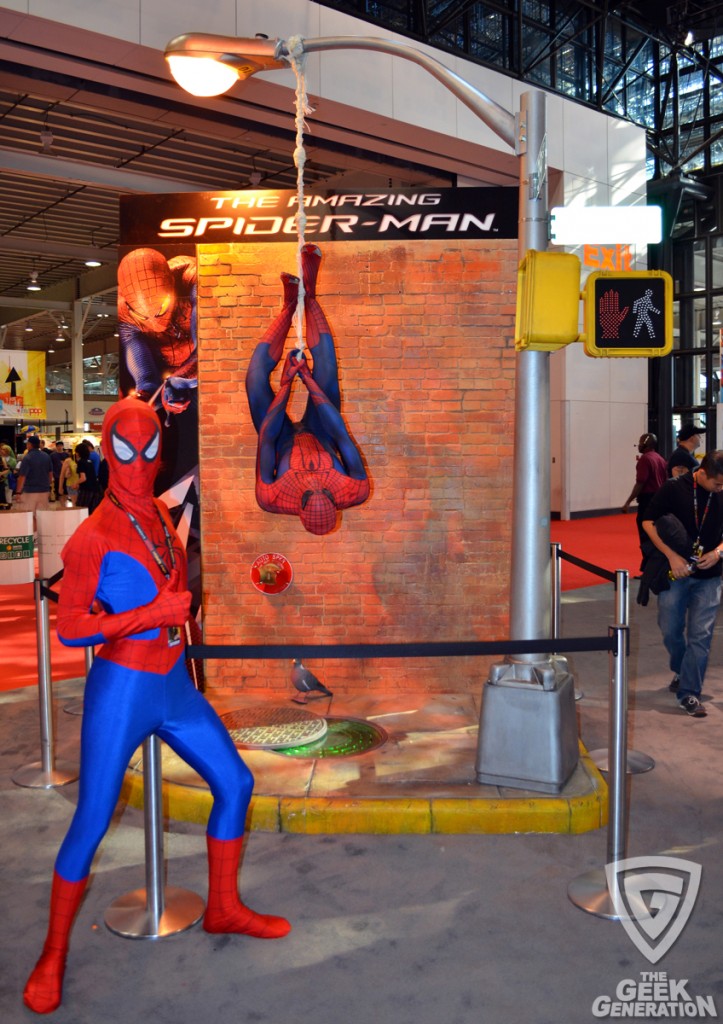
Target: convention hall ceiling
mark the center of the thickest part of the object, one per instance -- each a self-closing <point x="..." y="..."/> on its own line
<point x="75" y="135"/>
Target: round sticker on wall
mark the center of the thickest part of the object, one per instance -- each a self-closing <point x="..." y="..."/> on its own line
<point x="272" y="573"/>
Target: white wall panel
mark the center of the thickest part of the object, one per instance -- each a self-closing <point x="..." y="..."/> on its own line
<point x="119" y="20"/>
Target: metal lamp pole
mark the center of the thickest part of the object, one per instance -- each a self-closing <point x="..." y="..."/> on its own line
<point x="526" y="134"/>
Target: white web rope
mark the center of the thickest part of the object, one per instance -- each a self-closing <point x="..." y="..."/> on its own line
<point x="297" y="58"/>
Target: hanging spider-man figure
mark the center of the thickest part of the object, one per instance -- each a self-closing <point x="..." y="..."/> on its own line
<point x="124" y="588"/>
<point x="311" y="469"/>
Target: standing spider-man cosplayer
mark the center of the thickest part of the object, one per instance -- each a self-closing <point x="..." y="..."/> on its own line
<point x="124" y="588"/>
<point x="311" y="469"/>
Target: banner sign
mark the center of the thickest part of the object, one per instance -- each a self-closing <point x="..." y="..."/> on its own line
<point x="270" y="216"/>
<point x="22" y="385"/>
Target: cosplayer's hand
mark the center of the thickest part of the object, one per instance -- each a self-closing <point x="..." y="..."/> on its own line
<point x="170" y="607"/>
<point x="176" y="393"/>
<point x="294" y="362"/>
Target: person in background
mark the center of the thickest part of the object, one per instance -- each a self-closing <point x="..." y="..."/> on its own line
<point x="68" y="481"/>
<point x="687" y="608"/>
<point x="58" y="455"/>
<point x="88" y="488"/>
<point x="8" y="462"/>
<point x="35" y="479"/>
<point x="683" y="460"/>
<point x="651" y="473"/>
<point x="93" y="455"/>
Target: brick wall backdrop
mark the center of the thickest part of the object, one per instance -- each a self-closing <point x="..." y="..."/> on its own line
<point x="423" y="332"/>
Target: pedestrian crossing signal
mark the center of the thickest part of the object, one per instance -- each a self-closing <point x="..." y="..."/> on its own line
<point x="628" y="313"/>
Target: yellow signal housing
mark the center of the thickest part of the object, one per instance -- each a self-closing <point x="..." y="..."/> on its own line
<point x="548" y="301"/>
<point x="628" y="313"/>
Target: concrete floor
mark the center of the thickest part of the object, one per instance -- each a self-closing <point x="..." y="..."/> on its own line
<point x="411" y="928"/>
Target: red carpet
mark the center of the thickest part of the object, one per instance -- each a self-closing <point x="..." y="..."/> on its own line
<point x="20" y="646"/>
<point x="610" y="542"/>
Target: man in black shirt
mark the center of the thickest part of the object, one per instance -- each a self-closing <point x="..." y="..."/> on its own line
<point x="687" y="609"/>
<point x="683" y="460"/>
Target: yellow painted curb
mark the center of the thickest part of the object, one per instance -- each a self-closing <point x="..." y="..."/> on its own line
<point x="398" y="815"/>
<point x="391" y="816"/>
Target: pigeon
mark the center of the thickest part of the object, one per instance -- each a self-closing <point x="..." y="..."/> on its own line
<point x="305" y="681"/>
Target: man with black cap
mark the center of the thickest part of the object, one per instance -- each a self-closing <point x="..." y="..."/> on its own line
<point x="684" y="521"/>
<point x="683" y="460"/>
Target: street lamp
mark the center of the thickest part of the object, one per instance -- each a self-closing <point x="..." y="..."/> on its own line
<point x="193" y="58"/>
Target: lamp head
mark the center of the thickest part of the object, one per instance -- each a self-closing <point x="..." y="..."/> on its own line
<point x="208" y="65"/>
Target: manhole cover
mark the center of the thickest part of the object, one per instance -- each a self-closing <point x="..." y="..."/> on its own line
<point x="273" y="727"/>
<point x="345" y="737"/>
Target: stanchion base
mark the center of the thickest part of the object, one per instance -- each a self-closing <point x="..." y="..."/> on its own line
<point x="637" y="763"/>
<point x="33" y="776"/>
<point x="74" y="708"/>
<point x="129" y="916"/>
<point x="590" y="893"/>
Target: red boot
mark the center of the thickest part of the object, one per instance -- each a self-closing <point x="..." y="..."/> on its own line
<point x="275" y="335"/>
<point x="44" y="989"/>
<point x="225" y="912"/>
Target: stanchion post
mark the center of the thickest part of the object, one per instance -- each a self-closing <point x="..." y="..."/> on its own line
<point x="622" y="598"/>
<point x="46" y="773"/>
<point x="590" y="891"/>
<point x="637" y="763"/>
<point x="556" y="585"/>
<point x="617" y="782"/>
<point x="157" y="910"/>
<point x="153" y="823"/>
<point x="42" y="618"/>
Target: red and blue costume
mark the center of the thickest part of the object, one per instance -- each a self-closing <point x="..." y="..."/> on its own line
<point x="311" y="469"/>
<point x="157" y="325"/>
<point x="124" y="589"/>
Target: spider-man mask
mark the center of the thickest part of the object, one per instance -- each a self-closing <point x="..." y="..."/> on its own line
<point x="132" y="446"/>
<point x="145" y="283"/>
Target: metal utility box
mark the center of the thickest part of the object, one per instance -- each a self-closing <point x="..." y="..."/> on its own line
<point x="528" y="735"/>
<point x="548" y="301"/>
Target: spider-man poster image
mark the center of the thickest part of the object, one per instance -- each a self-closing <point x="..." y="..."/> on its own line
<point x="159" y="365"/>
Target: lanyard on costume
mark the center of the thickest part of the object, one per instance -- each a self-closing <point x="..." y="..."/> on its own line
<point x="697" y="546"/>
<point x="174" y="632"/>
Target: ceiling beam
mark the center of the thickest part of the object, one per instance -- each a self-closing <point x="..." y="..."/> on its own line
<point x="41" y="165"/>
<point x="9" y="243"/>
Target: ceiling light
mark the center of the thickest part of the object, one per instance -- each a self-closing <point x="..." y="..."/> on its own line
<point x="33" y="285"/>
<point x="51" y="350"/>
<point x="202" y="76"/>
<point x="59" y="337"/>
<point x="29" y="329"/>
<point x="93" y="263"/>
<point x="46" y="138"/>
<point x="255" y="179"/>
<point x="689" y="39"/>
